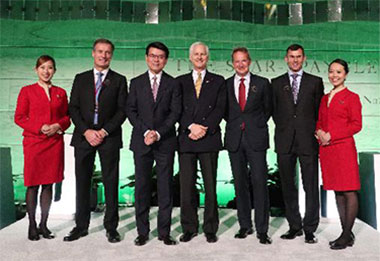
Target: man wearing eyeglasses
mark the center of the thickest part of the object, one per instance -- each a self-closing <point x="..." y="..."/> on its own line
<point x="153" y="108"/>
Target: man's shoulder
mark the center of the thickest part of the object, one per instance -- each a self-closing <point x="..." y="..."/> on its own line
<point x="258" y="78"/>
<point x="279" y="78"/>
<point x="85" y="74"/>
<point x="311" y="76"/>
<point x="115" y="74"/>
<point x="139" y="77"/>
<point x="215" y="76"/>
<point x="183" y="76"/>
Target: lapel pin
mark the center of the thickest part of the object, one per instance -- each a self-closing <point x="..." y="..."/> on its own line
<point x="253" y="88"/>
<point x="341" y="101"/>
<point x="287" y="88"/>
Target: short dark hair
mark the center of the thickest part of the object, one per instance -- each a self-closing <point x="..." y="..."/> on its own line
<point x="158" y="45"/>
<point x="43" y="59"/>
<point x="104" y="41"/>
<point x="295" y="47"/>
<point x="240" y="49"/>
<point x="341" y="62"/>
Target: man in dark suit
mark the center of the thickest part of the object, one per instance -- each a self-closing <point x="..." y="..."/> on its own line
<point x="153" y="108"/>
<point x="97" y="105"/>
<point x="203" y="106"/>
<point x="296" y="98"/>
<point x="249" y="107"/>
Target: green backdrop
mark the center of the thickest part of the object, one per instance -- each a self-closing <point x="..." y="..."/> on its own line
<point x="21" y="42"/>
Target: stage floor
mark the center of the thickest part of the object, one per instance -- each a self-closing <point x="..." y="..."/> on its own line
<point x="15" y="245"/>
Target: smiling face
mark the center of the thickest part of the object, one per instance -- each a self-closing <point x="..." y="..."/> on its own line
<point x="295" y="60"/>
<point x="199" y="57"/>
<point x="156" y="60"/>
<point x="241" y="63"/>
<point x="45" y="72"/>
<point x="102" y="54"/>
<point x="337" y="75"/>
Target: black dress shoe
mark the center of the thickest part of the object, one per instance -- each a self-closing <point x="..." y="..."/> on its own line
<point x="310" y="238"/>
<point x="141" y="240"/>
<point x="187" y="236"/>
<point x="33" y="234"/>
<point x="350" y="244"/>
<point x="75" y="234"/>
<point x="244" y="232"/>
<point x="211" y="237"/>
<point x="113" y="236"/>
<point x="46" y="233"/>
<point x="341" y="244"/>
<point x="168" y="240"/>
<point x="292" y="234"/>
<point x="264" y="238"/>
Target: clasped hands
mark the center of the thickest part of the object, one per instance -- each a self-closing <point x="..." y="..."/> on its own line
<point x="197" y="131"/>
<point x="151" y="137"/>
<point x="51" y="129"/>
<point x="323" y="137"/>
<point x="95" y="137"/>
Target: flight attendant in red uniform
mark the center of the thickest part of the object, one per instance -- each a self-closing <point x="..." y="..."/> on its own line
<point x="339" y="119"/>
<point x="42" y="112"/>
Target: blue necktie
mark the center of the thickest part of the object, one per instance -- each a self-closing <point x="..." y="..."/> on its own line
<point x="98" y="87"/>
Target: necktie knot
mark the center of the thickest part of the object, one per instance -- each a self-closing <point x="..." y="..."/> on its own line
<point x="242" y="80"/>
<point x="294" y="76"/>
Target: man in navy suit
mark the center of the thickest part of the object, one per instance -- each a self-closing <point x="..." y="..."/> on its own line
<point x="249" y="106"/>
<point x="96" y="108"/>
<point x="153" y="108"/>
<point x="203" y="106"/>
<point x="296" y="99"/>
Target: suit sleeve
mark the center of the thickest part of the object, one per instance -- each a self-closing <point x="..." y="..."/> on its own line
<point x="274" y="101"/>
<point x="354" y="121"/>
<point x="318" y="96"/>
<point x="119" y="117"/>
<point x="64" y="122"/>
<point x="22" y="118"/>
<point x="74" y="107"/>
<point x="215" y="117"/>
<point x="175" y="111"/>
<point x="131" y="109"/>
<point x="268" y="103"/>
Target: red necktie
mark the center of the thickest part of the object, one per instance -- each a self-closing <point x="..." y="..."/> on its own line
<point x="242" y="99"/>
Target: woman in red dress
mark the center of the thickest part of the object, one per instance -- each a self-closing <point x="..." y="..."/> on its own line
<point x="43" y="114"/>
<point x="339" y="119"/>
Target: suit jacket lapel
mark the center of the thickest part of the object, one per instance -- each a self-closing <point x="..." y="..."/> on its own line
<point x="286" y="88"/>
<point x="231" y="88"/>
<point x="161" y="88"/>
<point x="302" y="90"/>
<point x="89" y="85"/>
<point x="252" y="89"/>
<point x="147" y="88"/>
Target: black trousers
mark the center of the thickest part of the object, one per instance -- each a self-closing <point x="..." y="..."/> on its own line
<point x="143" y="173"/>
<point x="84" y="167"/>
<point x="309" y="173"/>
<point x="258" y="177"/>
<point x="188" y="176"/>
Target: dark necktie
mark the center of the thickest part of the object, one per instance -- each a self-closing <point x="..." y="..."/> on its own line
<point x="154" y="88"/>
<point x="295" y="87"/>
<point x="98" y="87"/>
<point x="242" y="98"/>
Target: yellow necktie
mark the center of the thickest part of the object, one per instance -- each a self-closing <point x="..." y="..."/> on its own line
<point x="198" y="85"/>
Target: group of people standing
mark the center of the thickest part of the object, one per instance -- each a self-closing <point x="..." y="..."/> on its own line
<point x="198" y="101"/>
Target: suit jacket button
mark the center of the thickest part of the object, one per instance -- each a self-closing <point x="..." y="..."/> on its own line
<point x="209" y="106"/>
<point x="294" y="116"/>
<point x="203" y="119"/>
